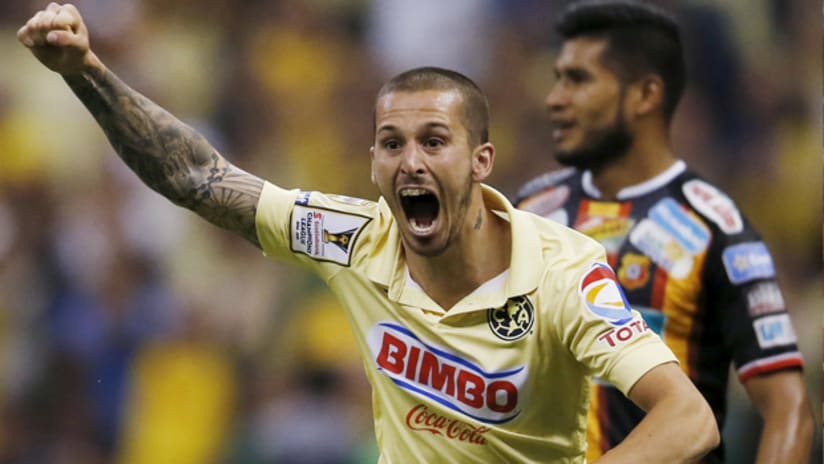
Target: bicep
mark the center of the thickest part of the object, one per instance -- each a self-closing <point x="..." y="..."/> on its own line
<point x="226" y="196"/>
<point x="776" y="391"/>
<point x="660" y="382"/>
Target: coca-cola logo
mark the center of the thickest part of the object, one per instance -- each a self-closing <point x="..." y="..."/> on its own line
<point x="421" y="418"/>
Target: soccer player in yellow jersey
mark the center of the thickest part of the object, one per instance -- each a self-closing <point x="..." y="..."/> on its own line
<point x="479" y="325"/>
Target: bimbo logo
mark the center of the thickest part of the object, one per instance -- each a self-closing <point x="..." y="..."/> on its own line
<point x="445" y="378"/>
<point x="603" y="296"/>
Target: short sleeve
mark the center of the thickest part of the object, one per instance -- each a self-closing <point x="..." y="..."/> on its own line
<point x="605" y="334"/>
<point x="318" y="230"/>
<point x="272" y="220"/>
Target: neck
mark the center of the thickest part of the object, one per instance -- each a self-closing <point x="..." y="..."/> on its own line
<point x="646" y="158"/>
<point x="469" y="261"/>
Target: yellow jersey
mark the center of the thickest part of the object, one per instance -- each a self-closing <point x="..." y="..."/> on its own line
<point x="503" y="376"/>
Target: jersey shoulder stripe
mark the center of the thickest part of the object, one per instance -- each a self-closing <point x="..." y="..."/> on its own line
<point x="543" y="182"/>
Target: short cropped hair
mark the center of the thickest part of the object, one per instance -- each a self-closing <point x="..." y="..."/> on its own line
<point x="640" y="39"/>
<point x="475" y="107"/>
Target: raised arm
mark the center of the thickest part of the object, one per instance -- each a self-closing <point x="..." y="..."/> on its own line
<point x="679" y="426"/>
<point x="168" y="155"/>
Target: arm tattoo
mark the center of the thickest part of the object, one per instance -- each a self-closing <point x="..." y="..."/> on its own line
<point x="169" y="156"/>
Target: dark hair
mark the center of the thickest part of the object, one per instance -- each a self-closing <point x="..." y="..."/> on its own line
<point x="640" y="39"/>
<point x="475" y="116"/>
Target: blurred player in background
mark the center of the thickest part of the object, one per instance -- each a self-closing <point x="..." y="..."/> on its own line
<point x="689" y="261"/>
<point x="479" y="325"/>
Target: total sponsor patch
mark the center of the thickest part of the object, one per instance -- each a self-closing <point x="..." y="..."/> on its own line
<point x="748" y="261"/>
<point x="776" y="330"/>
<point x="449" y="379"/>
<point x="621" y="335"/>
<point x="714" y="204"/>
<point x="325" y="235"/>
<point x="765" y="298"/>
<point x="603" y="295"/>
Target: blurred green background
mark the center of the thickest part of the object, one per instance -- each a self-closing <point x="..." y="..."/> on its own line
<point x="133" y="332"/>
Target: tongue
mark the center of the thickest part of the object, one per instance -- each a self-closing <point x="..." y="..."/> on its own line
<point x="423" y="212"/>
<point x="422" y="223"/>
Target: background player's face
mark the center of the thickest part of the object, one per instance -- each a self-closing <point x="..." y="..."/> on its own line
<point x="423" y="166"/>
<point x="586" y="106"/>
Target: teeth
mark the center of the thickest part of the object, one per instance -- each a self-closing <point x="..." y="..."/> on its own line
<point x="413" y="192"/>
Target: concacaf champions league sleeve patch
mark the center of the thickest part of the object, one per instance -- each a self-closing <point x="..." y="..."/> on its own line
<point x="325" y="235"/>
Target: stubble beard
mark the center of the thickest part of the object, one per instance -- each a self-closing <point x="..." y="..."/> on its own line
<point x="600" y="147"/>
<point x="604" y="147"/>
<point x="457" y="226"/>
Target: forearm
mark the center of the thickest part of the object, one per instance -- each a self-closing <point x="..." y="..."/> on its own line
<point x="168" y="155"/>
<point x="160" y="149"/>
<point x="788" y="429"/>
<point x="679" y="426"/>
<point x="672" y="432"/>
<point x="784" y="439"/>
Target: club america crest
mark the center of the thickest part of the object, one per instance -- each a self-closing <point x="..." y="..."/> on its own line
<point x="513" y="320"/>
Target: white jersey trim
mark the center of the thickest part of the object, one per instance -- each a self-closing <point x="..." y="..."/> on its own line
<point x="493" y="285"/>
<point x="638" y="189"/>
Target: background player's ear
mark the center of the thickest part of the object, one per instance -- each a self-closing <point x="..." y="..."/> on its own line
<point x="650" y="94"/>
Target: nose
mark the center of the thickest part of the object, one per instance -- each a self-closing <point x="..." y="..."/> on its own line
<point x="412" y="163"/>
<point x="557" y="98"/>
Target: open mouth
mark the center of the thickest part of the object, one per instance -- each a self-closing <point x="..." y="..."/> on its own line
<point x="560" y="128"/>
<point x="421" y="209"/>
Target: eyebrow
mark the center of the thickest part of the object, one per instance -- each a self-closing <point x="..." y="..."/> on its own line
<point x="437" y="125"/>
<point x="429" y="125"/>
<point x="387" y="128"/>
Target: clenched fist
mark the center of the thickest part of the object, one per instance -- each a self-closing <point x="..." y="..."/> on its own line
<point x="58" y="38"/>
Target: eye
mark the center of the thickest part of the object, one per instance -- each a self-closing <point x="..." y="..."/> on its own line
<point x="391" y="144"/>
<point x="577" y="76"/>
<point x="433" y="142"/>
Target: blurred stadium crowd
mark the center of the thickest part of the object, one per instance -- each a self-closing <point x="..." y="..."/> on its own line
<point x="133" y="332"/>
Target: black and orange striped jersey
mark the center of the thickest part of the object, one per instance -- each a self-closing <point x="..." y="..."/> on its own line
<point x="693" y="266"/>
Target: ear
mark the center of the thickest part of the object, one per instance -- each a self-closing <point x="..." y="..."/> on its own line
<point x="649" y="95"/>
<point x="483" y="157"/>
<point x="372" y="165"/>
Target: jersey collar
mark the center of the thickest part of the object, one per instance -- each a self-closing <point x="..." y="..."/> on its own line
<point x="636" y="190"/>
<point x="520" y="279"/>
